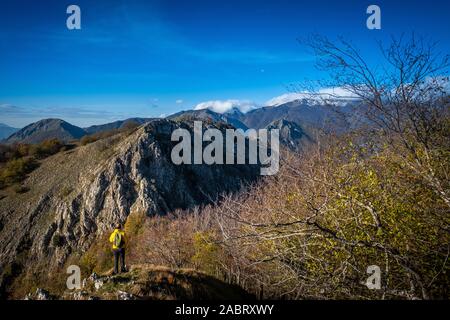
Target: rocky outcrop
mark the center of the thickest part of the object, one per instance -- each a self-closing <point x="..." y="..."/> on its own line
<point x="291" y="135"/>
<point x="83" y="193"/>
<point x="148" y="282"/>
<point x="230" y="118"/>
<point x="40" y="294"/>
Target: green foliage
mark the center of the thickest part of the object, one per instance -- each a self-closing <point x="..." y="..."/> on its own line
<point x="127" y="127"/>
<point x="88" y="262"/>
<point x="98" y="258"/>
<point x="87" y="139"/>
<point x="206" y="256"/>
<point x="15" y="170"/>
<point x="134" y="224"/>
<point x="134" y="228"/>
<point x="18" y="160"/>
<point x="379" y="212"/>
<point x="45" y="148"/>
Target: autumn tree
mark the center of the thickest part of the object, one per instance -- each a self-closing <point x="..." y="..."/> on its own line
<point x="376" y="195"/>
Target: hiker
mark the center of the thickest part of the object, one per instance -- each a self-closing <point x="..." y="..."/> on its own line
<point x="117" y="238"/>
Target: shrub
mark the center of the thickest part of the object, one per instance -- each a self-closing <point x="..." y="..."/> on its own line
<point x="134" y="224"/>
<point x="98" y="258"/>
<point x="98" y="136"/>
<point x="21" y="189"/>
<point x="87" y="139"/>
<point x="20" y="159"/>
<point x="206" y="255"/>
<point x="46" y="148"/>
<point x="129" y="125"/>
<point x="15" y="170"/>
<point x="9" y="152"/>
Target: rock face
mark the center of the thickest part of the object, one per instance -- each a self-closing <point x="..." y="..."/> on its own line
<point x="297" y="120"/>
<point x="291" y="134"/>
<point x="209" y="115"/>
<point x="40" y="294"/>
<point x="301" y="112"/>
<point x="80" y="194"/>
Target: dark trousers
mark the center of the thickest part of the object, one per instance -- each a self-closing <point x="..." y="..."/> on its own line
<point x="119" y="254"/>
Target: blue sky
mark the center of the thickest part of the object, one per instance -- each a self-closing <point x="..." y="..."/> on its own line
<point x="152" y="58"/>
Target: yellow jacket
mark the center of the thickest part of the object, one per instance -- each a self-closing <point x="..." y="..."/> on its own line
<point x="113" y="235"/>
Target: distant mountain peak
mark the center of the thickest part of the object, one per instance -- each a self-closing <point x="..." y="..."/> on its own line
<point x="6" y="131"/>
<point x="47" y="129"/>
<point x="207" y="114"/>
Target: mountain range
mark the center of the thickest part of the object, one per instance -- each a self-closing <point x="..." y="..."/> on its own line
<point x="299" y="114"/>
<point x="80" y="193"/>
<point x="6" y="131"/>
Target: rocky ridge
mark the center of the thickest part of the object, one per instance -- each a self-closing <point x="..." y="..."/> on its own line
<point x="80" y="194"/>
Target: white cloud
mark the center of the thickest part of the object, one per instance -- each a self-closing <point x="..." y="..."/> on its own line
<point x="285" y="98"/>
<point x="326" y="93"/>
<point x="222" y="106"/>
<point x="179" y="101"/>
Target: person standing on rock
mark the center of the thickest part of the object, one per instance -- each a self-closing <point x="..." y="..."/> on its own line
<point x="117" y="238"/>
